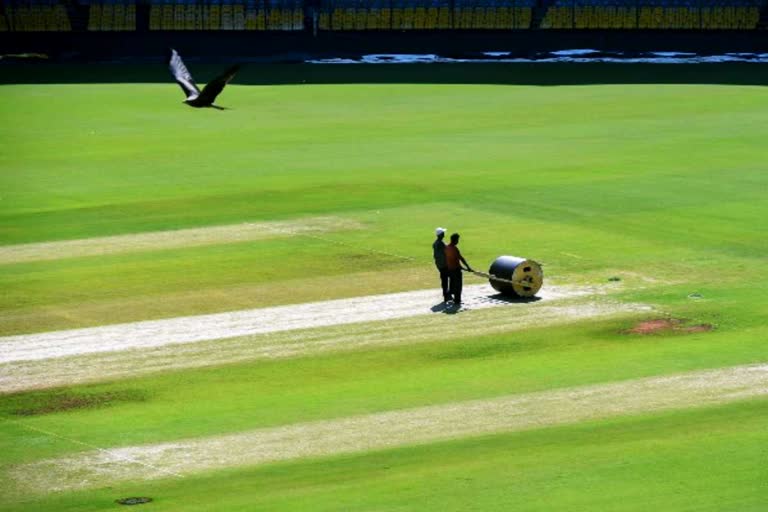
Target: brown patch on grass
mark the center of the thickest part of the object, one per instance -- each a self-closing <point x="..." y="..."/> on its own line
<point x="665" y="325"/>
<point x="699" y="328"/>
<point x="39" y="404"/>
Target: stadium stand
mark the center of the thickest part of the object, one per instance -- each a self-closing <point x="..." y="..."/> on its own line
<point x="283" y="15"/>
<point x="425" y="14"/>
<point x="654" y="14"/>
<point x="112" y="15"/>
<point x="34" y="16"/>
<point x="381" y="15"/>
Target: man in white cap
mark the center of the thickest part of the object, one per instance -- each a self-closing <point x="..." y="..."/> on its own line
<point x="438" y="252"/>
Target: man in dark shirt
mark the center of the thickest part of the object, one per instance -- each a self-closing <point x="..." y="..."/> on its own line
<point x="453" y="261"/>
<point x="438" y="252"/>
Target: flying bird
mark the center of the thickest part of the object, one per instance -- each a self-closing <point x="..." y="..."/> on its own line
<point x="196" y="97"/>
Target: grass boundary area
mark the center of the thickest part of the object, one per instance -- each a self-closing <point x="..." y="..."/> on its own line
<point x="399" y="428"/>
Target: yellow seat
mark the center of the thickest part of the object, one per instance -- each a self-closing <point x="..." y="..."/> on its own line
<point x="348" y="19"/>
<point x="337" y="19"/>
<point x="430" y="18"/>
<point x="226" y="17"/>
<point x="552" y="18"/>
<point x="372" y="19"/>
<point x="717" y="20"/>
<point x="631" y="18"/>
<point x="167" y="17"/>
<point x="407" y="19"/>
<point x="524" y="18"/>
<point x="130" y="17"/>
<point x="238" y="17"/>
<point x="752" y="17"/>
<point x="361" y="16"/>
<point x="324" y="20"/>
<point x="261" y="19"/>
<point x="595" y="17"/>
<point x="495" y="18"/>
<point x="274" y="19"/>
<point x="107" y="17"/>
<point x="47" y="18"/>
<point x="214" y="17"/>
<point x="419" y="17"/>
<point x="94" y="17"/>
<point x="726" y="18"/>
<point x="22" y="17"/>
<point x="675" y="18"/>
<point x="398" y="18"/>
<point x="34" y="20"/>
<point x="154" y="17"/>
<point x="478" y="17"/>
<point x="189" y="16"/>
<point x="385" y="18"/>
<point x="443" y="17"/>
<point x="179" y="17"/>
<point x="119" y="17"/>
<point x="298" y="19"/>
<point x="250" y="18"/>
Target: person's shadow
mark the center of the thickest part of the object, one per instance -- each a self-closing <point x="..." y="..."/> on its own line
<point x="449" y="308"/>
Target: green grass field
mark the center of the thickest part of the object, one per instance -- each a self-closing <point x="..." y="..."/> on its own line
<point x="652" y="192"/>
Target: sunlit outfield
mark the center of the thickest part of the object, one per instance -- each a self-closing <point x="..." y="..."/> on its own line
<point x="655" y="190"/>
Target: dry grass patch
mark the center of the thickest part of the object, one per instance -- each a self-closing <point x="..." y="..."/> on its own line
<point x="39" y="404"/>
<point x="667" y="325"/>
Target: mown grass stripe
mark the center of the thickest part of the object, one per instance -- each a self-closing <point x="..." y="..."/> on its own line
<point x="396" y="428"/>
<point x="172" y="239"/>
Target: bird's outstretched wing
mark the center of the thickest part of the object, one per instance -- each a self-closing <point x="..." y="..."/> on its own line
<point x="182" y="76"/>
<point x="215" y="86"/>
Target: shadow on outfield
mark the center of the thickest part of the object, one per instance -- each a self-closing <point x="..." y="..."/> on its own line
<point x="449" y="308"/>
<point x="533" y="74"/>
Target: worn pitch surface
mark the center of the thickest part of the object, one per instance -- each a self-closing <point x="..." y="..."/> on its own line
<point x="84" y="355"/>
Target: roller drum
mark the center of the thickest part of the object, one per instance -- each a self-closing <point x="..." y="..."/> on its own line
<point x="516" y="276"/>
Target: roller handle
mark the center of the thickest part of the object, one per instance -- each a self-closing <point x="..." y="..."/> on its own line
<point x="493" y="277"/>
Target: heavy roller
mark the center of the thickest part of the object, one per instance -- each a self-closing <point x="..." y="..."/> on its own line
<point x="514" y="276"/>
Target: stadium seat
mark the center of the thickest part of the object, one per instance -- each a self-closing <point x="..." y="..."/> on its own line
<point x="107" y="16"/>
<point x="227" y="22"/>
<point x="385" y="18"/>
<point x="360" y="15"/>
<point x="130" y="16"/>
<point x="179" y="16"/>
<point x="275" y="19"/>
<point x="654" y="14"/>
